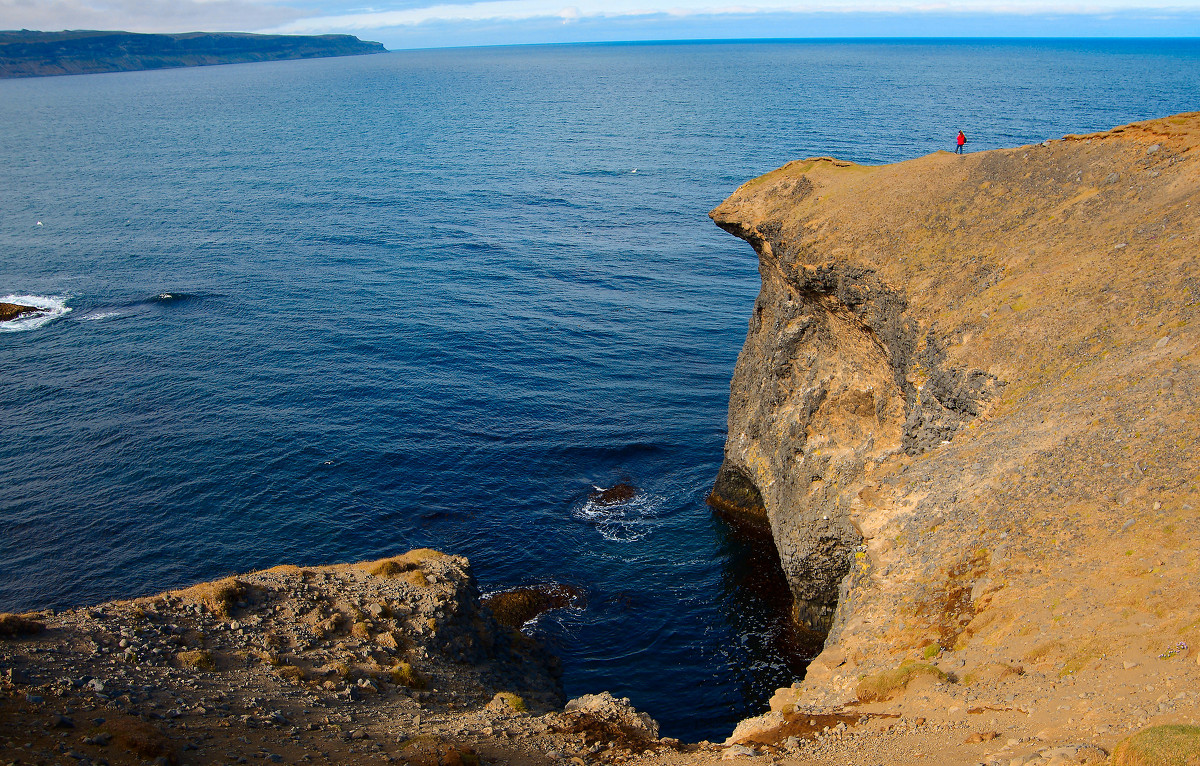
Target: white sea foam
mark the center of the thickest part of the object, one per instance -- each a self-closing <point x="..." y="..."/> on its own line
<point x="96" y="316"/>
<point x="624" y="521"/>
<point x="52" y="308"/>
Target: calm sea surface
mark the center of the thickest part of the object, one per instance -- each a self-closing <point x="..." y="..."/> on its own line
<point x="330" y="310"/>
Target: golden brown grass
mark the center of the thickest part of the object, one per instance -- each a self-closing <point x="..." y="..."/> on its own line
<point x="141" y="739"/>
<point x="399" y="565"/>
<point x="1042" y="651"/>
<point x="890" y="683"/>
<point x="1174" y="745"/>
<point x="220" y="597"/>
<point x="403" y="674"/>
<point x="197" y="659"/>
<point x="993" y="672"/>
<point x="13" y="625"/>
<point x="511" y="701"/>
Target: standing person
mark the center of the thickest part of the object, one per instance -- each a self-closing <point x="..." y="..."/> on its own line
<point x="962" y="139"/>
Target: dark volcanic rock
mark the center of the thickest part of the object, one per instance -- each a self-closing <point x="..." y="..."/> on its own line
<point x="618" y="493"/>
<point x="518" y="606"/>
<point x="10" y="311"/>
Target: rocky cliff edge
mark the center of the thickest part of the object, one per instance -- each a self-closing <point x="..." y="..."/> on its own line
<point x="967" y="410"/>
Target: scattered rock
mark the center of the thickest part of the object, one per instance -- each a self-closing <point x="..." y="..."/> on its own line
<point x="737" y="751"/>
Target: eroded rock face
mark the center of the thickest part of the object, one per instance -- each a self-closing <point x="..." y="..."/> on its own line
<point x="835" y="377"/>
<point x="965" y="381"/>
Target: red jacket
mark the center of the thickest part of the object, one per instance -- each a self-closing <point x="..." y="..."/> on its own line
<point x="961" y="138"/>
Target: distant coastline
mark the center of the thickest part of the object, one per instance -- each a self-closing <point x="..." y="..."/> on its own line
<point x="27" y="53"/>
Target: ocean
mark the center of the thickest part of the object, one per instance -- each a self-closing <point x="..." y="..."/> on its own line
<point x="329" y="310"/>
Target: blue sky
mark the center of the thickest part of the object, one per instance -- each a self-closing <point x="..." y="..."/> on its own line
<point x="437" y="23"/>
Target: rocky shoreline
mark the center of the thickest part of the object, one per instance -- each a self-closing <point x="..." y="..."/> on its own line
<point x="967" y="416"/>
<point x="386" y="661"/>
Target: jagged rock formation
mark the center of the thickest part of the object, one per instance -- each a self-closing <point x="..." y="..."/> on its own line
<point x="26" y="53"/>
<point x="967" y="407"/>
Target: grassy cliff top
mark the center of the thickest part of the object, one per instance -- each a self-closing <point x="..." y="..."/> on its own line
<point x="26" y="53"/>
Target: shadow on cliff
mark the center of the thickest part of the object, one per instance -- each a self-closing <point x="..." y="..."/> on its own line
<point x="775" y="649"/>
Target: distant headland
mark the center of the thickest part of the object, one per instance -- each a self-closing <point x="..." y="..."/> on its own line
<point x="26" y="53"/>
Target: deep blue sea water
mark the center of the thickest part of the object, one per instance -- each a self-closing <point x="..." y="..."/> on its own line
<point x="330" y="310"/>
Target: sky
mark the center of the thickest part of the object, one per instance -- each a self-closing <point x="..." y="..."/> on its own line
<point x="401" y="24"/>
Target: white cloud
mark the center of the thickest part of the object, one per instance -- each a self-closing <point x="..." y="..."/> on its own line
<point x="146" y="15"/>
<point x="523" y="10"/>
<point x="359" y="16"/>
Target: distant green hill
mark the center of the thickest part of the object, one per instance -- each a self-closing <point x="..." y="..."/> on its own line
<point x="33" y="54"/>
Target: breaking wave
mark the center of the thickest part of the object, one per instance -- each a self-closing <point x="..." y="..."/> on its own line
<point x="623" y="521"/>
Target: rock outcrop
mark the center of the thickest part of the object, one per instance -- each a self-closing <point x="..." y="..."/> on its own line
<point x="967" y="407"/>
<point x="10" y="311"/>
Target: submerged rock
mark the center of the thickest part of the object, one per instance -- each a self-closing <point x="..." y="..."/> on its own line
<point x="619" y="493"/>
<point x="513" y="608"/>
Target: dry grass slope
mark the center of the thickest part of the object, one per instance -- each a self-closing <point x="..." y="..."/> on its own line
<point x="1160" y="746"/>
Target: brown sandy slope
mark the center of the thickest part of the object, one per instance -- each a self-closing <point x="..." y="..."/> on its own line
<point x="971" y="387"/>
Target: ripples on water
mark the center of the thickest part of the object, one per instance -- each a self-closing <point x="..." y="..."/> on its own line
<point x="328" y="310"/>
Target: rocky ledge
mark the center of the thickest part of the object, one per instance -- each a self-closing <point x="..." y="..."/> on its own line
<point x="967" y="412"/>
<point x="386" y="661"/>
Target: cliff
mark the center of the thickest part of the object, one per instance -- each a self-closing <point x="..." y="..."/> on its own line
<point x="32" y="54"/>
<point x="967" y="408"/>
<point x="966" y="412"/>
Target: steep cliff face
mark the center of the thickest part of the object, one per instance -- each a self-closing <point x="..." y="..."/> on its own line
<point x="835" y="378"/>
<point x="966" y="404"/>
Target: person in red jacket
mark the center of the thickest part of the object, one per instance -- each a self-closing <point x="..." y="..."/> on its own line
<point x="961" y="140"/>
